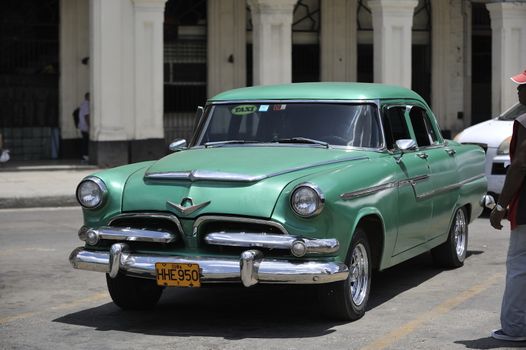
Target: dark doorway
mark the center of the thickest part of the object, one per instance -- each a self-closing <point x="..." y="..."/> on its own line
<point x="365" y="63"/>
<point x="480" y="64"/>
<point x="29" y="75"/>
<point x="421" y="71"/>
<point x="185" y="76"/>
<point x="305" y="63"/>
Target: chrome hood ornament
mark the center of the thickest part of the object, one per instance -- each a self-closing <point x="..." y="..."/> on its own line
<point x="187" y="206"/>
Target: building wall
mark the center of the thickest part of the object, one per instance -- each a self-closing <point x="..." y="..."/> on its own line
<point x="448" y="64"/>
<point x="74" y="74"/>
<point x="121" y="33"/>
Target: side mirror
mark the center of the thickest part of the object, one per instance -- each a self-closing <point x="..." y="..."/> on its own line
<point x="488" y="201"/>
<point x="177" y="145"/>
<point x="405" y="145"/>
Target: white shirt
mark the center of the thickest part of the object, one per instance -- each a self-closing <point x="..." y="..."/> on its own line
<point x="83" y="112"/>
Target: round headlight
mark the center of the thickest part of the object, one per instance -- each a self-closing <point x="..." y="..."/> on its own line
<point x="504" y="147"/>
<point x="91" y="192"/>
<point x="307" y="200"/>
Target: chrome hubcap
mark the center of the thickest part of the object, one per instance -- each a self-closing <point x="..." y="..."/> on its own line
<point x="359" y="274"/>
<point x="459" y="231"/>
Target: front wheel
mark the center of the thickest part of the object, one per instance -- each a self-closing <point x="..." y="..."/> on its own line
<point x="130" y="293"/>
<point x="347" y="300"/>
<point x="452" y="253"/>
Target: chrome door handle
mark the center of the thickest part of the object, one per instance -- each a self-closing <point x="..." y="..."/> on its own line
<point x="451" y="152"/>
<point x="422" y="155"/>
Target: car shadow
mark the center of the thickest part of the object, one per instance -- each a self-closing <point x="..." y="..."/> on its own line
<point x="490" y="343"/>
<point x="391" y="282"/>
<point x="234" y="312"/>
<point x="228" y="312"/>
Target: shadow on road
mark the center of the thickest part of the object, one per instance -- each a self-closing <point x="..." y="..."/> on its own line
<point x="389" y="283"/>
<point x="226" y="312"/>
<point x="490" y="343"/>
<point x="235" y="312"/>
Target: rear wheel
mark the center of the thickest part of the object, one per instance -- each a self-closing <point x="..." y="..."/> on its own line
<point x="452" y="253"/>
<point x="347" y="300"/>
<point x="131" y="293"/>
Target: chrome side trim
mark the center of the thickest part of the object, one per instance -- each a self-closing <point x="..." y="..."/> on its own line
<point x="170" y="217"/>
<point x="133" y="234"/>
<point x="368" y="191"/>
<point x="203" y="219"/>
<point x="251" y="240"/>
<point x="206" y="175"/>
<point x="412" y="181"/>
<point x="217" y="270"/>
<point x="375" y="189"/>
<point x="448" y="188"/>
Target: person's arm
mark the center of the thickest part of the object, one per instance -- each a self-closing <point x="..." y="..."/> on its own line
<point x="513" y="182"/>
<point x="516" y="171"/>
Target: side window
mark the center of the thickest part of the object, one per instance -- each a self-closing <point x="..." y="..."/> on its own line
<point x="395" y="127"/>
<point x="424" y="132"/>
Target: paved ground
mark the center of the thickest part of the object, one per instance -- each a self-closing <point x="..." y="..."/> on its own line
<point x="45" y="184"/>
<point x="45" y="304"/>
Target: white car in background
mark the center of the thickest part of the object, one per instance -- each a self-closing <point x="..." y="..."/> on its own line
<point x="494" y="136"/>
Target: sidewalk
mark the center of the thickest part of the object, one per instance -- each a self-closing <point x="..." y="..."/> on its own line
<point x="41" y="184"/>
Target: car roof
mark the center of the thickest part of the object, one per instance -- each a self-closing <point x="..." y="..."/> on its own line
<point x="318" y="91"/>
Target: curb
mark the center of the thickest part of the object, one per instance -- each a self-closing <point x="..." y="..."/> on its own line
<point x="35" y="202"/>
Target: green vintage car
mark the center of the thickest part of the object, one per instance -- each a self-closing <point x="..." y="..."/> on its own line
<point x="312" y="183"/>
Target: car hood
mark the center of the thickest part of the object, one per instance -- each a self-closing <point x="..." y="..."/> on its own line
<point x="227" y="180"/>
<point x="491" y="132"/>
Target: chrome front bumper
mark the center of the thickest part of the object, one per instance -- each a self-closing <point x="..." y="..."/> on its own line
<point x="251" y="267"/>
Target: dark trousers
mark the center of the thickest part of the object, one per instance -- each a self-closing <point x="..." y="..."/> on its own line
<point x="85" y="143"/>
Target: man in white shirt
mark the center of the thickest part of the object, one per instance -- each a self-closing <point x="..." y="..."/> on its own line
<point x="84" y="126"/>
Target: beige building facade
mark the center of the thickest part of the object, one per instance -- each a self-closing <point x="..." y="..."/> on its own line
<point x="456" y="53"/>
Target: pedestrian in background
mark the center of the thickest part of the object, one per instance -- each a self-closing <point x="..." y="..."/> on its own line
<point x="512" y="201"/>
<point x="84" y="124"/>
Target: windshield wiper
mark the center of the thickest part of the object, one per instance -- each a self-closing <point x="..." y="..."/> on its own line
<point x="228" y="142"/>
<point x="302" y="140"/>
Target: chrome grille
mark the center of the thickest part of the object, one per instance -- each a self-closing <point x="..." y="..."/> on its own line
<point x="150" y="221"/>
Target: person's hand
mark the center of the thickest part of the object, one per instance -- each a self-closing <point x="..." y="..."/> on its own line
<point x="496" y="217"/>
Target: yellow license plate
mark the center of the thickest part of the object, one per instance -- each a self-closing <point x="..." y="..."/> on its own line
<point x="177" y="275"/>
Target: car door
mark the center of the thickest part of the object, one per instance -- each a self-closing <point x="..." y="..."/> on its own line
<point x="414" y="211"/>
<point x="444" y="189"/>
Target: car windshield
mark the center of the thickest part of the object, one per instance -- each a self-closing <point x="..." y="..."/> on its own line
<point x="513" y="112"/>
<point x="319" y="124"/>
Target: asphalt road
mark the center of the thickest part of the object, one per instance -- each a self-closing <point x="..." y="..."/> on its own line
<point x="46" y="304"/>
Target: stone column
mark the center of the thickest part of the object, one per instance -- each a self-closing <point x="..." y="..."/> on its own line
<point x="392" y="23"/>
<point x="111" y="109"/>
<point x="126" y="58"/>
<point x="338" y="44"/>
<point x="74" y="77"/>
<point x="447" y="64"/>
<point x="508" y="25"/>
<point x="272" y="40"/>
<point x="226" y="22"/>
<point x="148" y="139"/>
